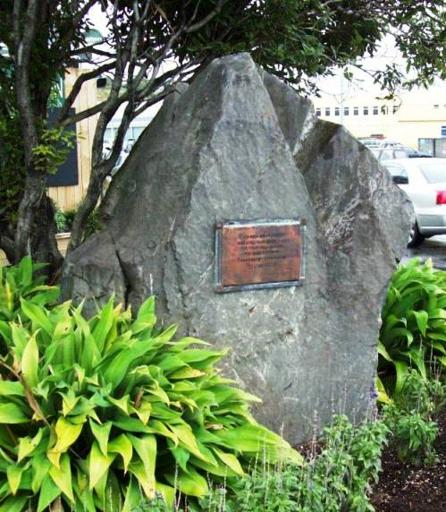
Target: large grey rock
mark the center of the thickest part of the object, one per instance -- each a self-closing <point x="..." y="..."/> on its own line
<point x="238" y="144"/>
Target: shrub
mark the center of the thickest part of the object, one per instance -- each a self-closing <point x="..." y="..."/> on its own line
<point x="64" y="221"/>
<point x="413" y="331"/>
<point x="22" y="281"/>
<point x="93" y="411"/>
<point x="338" y="479"/>
<point x="410" y="418"/>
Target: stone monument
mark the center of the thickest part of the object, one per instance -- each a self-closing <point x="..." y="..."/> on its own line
<point x="240" y="148"/>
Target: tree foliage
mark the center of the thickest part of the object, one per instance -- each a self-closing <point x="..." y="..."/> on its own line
<point x="149" y="46"/>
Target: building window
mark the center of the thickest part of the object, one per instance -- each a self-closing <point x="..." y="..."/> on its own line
<point x="337" y="111"/>
<point x="384" y="110"/>
<point x="356" y="111"/>
<point x="327" y="111"/>
<point x="375" y="110"/>
<point x="443" y="131"/>
<point x="318" y="111"/>
<point x="365" y="111"/>
<point x="346" y="111"/>
<point x="395" y="109"/>
<point x="436" y="106"/>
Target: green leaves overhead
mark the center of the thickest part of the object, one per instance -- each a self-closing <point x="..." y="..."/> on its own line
<point x="97" y="411"/>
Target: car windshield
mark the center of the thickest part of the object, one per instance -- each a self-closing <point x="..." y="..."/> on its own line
<point x="434" y="172"/>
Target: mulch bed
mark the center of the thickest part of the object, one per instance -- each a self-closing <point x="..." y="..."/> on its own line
<point x="404" y="488"/>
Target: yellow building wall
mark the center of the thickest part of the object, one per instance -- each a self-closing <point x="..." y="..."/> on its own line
<point x="68" y="198"/>
<point x="419" y="113"/>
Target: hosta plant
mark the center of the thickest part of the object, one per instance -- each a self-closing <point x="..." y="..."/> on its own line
<point x="413" y="331"/>
<point x="94" y="413"/>
<point x="19" y="281"/>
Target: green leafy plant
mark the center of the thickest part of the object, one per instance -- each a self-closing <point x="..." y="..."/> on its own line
<point x="413" y="435"/>
<point x="338" y="479"/>
<point x="53" y="149"/>
<point x="95" y="412"/>
<point x="410" y="418"/>
<point x="64" y="221"/>
<point x="413" y="331"/>
<point x="22" y="281"/>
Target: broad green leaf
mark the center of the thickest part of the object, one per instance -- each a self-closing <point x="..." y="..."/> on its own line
<point x="422" y="319"/>
<point x="30" y="362"/>
<point x="168" y="494"/>
<point x="26" y="268"/>
<point x="62" y="476"/>
<point x="383" y="352"/>
<point x="11" y="388"/>
<point x="255" y="438"/>
<point x="112" y="494"/>
<point x="144" y="411"/>
<point x="146" y="481"/>
<point x="14" y="475"/>
<point x="14" y="504"/>
<point x="181" y="455"/>
<point x="383" y="397"/>
<point x="37" y="316"/>
<point x="182" y="343"/>
<point x="20" y="338"/>
<point x="40" y="466"/>
<point x="48" y="493"/>
<point x="438" y="346"/>
<point x="122" y="403"/>
<point x="146" y="318"/>
<point x="104" y="324"/>
<point x="160" y="428"/>
<point x="416" y="356"/>
<point x="132" y="496"/>
<point x="219" y="469"/>
<point x="122" y="446"/>
<point x="5" y="332"/>
<point x="402" y="370"/>
<point x="118" y="367"/>
<point x="146" y="447"/>
<point x="101" y="433"/>
<point x="186" y="373"/>
<point x="12" y="413"/>
<point x="27" y="445"/>
<point x="66" y="434"/>
<point x="187" y="440"/>
<point x="191" y="483"/>
<point x="230" y="460"/>
<point x="98" y="464"/>
<point x="441" y="336"/>
<point x="69" y="401"/>
<point x="166" y="335"/>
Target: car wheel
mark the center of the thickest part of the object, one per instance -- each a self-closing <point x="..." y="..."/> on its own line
<point x="415" y="237"/>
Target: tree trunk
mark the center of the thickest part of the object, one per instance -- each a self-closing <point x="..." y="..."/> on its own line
<point x="43" y="241"/>
<point x="85" y="209"/>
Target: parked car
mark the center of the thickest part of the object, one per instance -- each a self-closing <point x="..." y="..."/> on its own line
<point x="379" y="143"/>
<point x="397" y="151"/>
<point x="424" y="181"/>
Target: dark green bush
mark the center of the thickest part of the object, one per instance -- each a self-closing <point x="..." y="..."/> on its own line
<point x="410" y="418"/>
<point x="413" y="332"/>
<point x="93" y="413"/>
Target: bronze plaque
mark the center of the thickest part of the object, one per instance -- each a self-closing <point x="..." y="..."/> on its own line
<point x="259" y="254"/>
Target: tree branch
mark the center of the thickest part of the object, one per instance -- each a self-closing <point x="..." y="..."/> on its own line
<point x="77" y="87"/>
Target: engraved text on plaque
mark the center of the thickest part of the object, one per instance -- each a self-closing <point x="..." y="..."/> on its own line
<point x="259" y="254"/>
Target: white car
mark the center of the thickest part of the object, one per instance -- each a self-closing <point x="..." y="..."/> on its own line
<point x="424" y="181"/>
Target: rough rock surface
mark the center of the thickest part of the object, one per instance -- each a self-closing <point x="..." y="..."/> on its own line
<point x="239" y="144"/>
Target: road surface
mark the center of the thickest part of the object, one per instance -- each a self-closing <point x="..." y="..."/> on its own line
<point x="434" y="248"/>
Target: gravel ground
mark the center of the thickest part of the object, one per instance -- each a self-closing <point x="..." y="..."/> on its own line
<point x="404" y="488"/>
